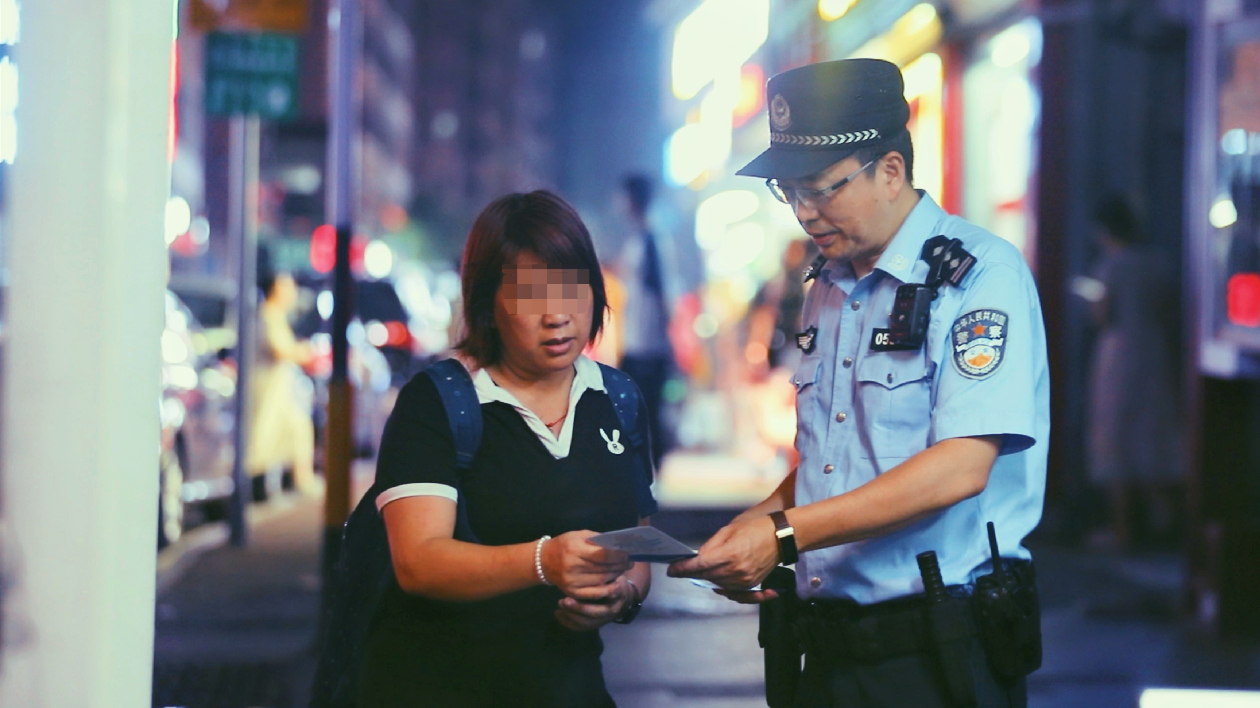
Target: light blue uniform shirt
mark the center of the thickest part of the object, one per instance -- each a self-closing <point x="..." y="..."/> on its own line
<point x="860" y="413"/>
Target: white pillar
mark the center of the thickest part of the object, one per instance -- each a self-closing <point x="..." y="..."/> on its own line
<point x="81" y="380"/>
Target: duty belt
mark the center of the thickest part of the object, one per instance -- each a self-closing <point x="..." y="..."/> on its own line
<point x="845" y="630"/>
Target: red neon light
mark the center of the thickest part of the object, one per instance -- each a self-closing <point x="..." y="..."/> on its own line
<point x="323" y="253"/>
<point x="1243" y="299"/>
<point x="172" y="127"/>
<point x="397" y="335"/>
<point x="952" y="99"/>
<point x="323" y="248"/>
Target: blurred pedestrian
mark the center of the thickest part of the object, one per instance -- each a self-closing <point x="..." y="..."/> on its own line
<point x="912" y="432"/>
<point x="775" y="314"/>
<point x="282" y="431"/>
<point x="771" y="353"/>
<point x="645" y="272"/>
<point x="510" y="619"/>
<point x="1134" y="444"/>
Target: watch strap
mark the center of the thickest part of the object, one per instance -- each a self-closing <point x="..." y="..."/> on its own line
<point x="786" y="537"/>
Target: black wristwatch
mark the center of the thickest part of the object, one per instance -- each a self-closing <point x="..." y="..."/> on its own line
<point x="629" y="612"/>
<point x="786" y="536"/>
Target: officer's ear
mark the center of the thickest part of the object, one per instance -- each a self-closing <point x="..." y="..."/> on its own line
<point x="890" y="173"/>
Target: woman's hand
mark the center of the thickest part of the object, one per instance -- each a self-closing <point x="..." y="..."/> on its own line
<point x="597" y="606"/>
<point x="576" y="566"/>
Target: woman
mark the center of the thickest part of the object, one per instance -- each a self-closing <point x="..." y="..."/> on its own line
<point x="1133" y="445"/>
<point x="509" y="620"/>
<point x="281" y="433"/>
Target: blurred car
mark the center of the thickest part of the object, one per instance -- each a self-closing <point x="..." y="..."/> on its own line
<point x="386" y="326"/>
<point x="198" y="419"/>
<point x="374" y="392"/>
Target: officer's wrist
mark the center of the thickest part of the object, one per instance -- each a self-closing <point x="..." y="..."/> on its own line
<point x="785" y="538"/>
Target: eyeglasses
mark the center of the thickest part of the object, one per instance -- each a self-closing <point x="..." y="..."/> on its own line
<point x="811" y="198"/>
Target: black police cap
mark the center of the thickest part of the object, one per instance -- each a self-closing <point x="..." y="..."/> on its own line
<point x="822" y="113"/>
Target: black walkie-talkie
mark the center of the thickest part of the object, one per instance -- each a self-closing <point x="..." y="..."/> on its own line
<point x="998" y="574"/>
<point x="1009" y="617"/>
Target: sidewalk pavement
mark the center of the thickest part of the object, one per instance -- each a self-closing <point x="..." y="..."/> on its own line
<point x="236" y="629"/>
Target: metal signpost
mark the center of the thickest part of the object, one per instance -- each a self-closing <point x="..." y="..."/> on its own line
<point x="243" y="234"/>
<point x="343" y="30"/>
<point x="249" y="76"/>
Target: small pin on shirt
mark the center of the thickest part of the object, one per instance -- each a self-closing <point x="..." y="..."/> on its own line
<point x="614" y="443"/>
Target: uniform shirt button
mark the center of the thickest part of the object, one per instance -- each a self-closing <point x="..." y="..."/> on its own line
<point x="840" y="417"/>
<point x="848" y="361"/>
<point x="857" y="304"/>
<point x="828" y="469"/>
<point x="815" y="582"/>
<point x="890" y="379"/>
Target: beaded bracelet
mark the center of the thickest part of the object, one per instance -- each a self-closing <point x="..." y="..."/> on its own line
<point x="538" y="560"/>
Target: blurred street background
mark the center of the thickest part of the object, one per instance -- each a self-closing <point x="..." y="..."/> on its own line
<point x="230" y="232"/>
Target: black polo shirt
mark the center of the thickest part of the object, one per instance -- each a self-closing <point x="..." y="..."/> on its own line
<point x="515" y="491"/>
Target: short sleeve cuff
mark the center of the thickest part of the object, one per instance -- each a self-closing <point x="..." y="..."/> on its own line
<point x="647" y="506"/>
<point x="1016" y="437"/>
<point x="419" y="489"/>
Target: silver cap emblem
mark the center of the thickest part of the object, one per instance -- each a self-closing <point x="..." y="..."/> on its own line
<point x="780" y="113"/>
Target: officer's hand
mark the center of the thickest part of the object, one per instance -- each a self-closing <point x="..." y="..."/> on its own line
<point x="739" y="556"/>
<point x="598" y="606"/>
<point x="572" y="563"/>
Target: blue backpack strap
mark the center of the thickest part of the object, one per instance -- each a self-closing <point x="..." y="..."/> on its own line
<point x="624" y="395"/>
<point x="463" y="411"/>
<point x="625" y="400"/>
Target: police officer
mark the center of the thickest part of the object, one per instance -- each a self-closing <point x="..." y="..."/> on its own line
<point x="911" y="435"/>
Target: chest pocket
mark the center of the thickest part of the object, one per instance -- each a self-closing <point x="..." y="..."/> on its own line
<point x="807" y="373"/>
<point x="895" y="394"/>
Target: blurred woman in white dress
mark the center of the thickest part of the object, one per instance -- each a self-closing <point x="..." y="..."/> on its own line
<point x="282" y="433"/>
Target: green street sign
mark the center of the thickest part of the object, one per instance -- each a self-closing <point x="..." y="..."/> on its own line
<point x="255" y="74"/>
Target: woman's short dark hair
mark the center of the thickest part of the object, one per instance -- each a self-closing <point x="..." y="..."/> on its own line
<point x="540" y="223"/>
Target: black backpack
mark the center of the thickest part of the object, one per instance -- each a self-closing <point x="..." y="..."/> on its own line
<point x="364" y="569"/>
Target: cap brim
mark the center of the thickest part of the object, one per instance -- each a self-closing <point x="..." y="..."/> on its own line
<point x="793" y="164"/>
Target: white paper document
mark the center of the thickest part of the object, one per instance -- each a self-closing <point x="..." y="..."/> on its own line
<point x="701" y="582"/>
<point x="644" y="543"/>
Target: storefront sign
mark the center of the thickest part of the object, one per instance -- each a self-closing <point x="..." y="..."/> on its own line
<point x="255" y="74"/>
<point x="249" y="15"/>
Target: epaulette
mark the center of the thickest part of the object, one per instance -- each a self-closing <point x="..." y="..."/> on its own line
<point x="948" y="261"/>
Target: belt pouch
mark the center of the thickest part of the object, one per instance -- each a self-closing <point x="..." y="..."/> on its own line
<point x="777" y="636"/>
<point x="951" y="633"/>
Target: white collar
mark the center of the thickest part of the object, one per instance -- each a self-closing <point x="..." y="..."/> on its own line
<point x="587" y="375"/>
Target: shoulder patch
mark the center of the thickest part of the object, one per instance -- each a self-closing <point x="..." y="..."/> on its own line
<point x="978" y="339"/>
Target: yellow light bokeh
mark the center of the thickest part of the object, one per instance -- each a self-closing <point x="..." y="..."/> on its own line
<point x="831" y="10"/>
